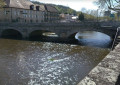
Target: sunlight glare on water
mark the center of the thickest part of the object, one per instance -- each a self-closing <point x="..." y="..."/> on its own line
<point x="41" y="63"/>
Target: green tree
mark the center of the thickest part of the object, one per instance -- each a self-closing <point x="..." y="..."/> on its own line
<point x="2" y="3"/>
<point x="81" y="17"/>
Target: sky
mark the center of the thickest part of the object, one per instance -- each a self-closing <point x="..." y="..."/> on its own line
<point x="74" y="4"/>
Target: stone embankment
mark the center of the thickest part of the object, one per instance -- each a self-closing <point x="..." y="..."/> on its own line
<point x="106" y="72"/>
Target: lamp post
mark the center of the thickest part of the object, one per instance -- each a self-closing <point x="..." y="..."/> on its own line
<point x="118" y="13"/>
<point x="97" y="15"/>
<point x="100" y="15"/>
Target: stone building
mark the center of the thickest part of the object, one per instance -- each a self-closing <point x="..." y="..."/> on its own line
<point x="25" y="11"/>
<point x="51" y="13"/>
<point x="66" y="17"/>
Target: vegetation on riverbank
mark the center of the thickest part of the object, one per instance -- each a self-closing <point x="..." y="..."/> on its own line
<point x="2" y="3"/>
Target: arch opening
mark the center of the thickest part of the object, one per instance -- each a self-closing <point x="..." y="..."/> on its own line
<point x="72" y="36"/>
<point x="43" y="35"/>
<point x="11" y="34"/>
<point x="94" y="38"/>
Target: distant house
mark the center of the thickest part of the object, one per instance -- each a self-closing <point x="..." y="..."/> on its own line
<point x="68" y="17"/>
<point x="25" y="11"/>
<point x="75" y="18"/>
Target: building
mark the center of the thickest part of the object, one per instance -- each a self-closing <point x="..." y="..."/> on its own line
<point x="67" y="17"/>
<point x="25" y="11"/>
<point x="51" y="13"/>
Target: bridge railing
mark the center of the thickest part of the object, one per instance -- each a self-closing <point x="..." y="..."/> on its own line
<point x="117" y="34"/>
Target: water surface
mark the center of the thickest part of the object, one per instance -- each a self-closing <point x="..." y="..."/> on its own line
<point x="42" y="63"/>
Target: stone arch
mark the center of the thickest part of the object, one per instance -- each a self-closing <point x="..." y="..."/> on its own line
<point x="40" y="35"/>
<point x="110" y="33"/>
<point x="105" y="31"/>
<point x="11" y="34"/>
<point x="72" y="36"/>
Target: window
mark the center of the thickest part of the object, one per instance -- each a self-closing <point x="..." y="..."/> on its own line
<point x="36" y="20"/>
<point x="31" y="21"/>
<point x="6" y="12"/>
<point x="31" y="7"/>
<point x="26" y="15"/>
<point x="37" y="8"/>
<point x="21" y="12"/>
<point x="14" y="12"/>
<point x="18" y="13"/>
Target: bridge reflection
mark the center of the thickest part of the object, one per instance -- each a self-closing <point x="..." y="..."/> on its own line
<point x="42" y="35"/>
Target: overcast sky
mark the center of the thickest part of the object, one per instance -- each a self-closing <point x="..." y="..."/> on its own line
<point x="75" y="4"/>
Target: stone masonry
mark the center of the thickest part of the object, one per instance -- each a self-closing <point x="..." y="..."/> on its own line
<point x="106" y="72"/>
<point x="63" y="30"/>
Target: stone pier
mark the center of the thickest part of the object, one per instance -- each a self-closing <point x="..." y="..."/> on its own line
<point x="106" y="72"/>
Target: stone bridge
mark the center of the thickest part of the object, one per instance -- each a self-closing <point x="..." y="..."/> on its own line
<point x="63" y="30"/>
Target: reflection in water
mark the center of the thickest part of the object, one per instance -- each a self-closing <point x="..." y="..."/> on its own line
<point x="36" y="63"/>
<point x="50" y="34"/>
<point x="95" y="39"/>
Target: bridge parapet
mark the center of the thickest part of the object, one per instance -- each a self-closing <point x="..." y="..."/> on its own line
<point x="50" y="24"/>
<point x="110" y="23"/>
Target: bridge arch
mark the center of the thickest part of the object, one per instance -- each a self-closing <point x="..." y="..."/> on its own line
<point x="11" y="34"/>
<point x="72" y="36"/>
<point x="109" y="33"/>
<point x="41" y="35"/>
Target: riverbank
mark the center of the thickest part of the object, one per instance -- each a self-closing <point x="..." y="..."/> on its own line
<point x="106" y="72"/>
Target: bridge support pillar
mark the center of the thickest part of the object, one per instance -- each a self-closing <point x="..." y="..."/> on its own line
<point x="63" y="35"/>
<point x="25" y="37"/>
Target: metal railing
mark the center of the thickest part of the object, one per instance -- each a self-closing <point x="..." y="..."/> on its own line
<point x="116" y="35"/>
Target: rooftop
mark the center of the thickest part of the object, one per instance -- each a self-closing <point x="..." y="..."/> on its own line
<point x="25" y="4"/>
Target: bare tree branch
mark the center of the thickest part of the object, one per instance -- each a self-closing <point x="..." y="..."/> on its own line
<point x="109" y="4"/>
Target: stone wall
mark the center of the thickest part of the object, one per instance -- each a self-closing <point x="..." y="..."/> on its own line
<point x="106" y="72"/>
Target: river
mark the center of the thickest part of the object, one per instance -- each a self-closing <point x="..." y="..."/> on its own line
<point x="45" y="63"/>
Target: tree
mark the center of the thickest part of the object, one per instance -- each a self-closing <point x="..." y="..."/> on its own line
<point x="84" y="10"/>
<point x="81" y="17"/>
<point x="109" y="4"/>
<point x="2" y="3"/>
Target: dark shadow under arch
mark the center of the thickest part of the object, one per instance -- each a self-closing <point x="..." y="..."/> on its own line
<point x="72" y="36"/>
<point x="11" y="34"/>
<point x="39" y="35"/>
